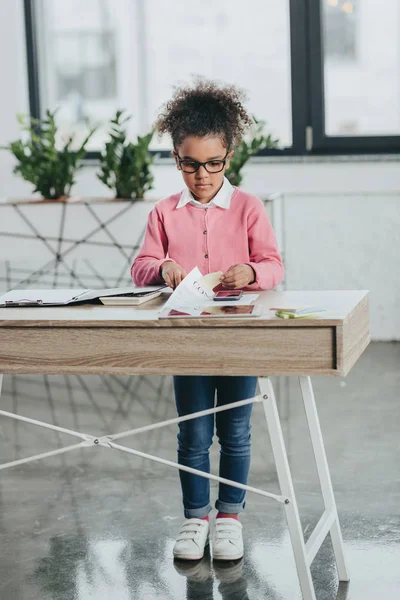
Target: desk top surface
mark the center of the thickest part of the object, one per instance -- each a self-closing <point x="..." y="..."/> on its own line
<point x="339" y="306"/>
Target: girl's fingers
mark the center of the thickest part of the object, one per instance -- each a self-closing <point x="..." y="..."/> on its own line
<point x="232" y="274"/>
<point x="181" y="275"/>
<point x="174" y="277"/>
<point x="228" y="275"/>
<point x="234" y="281"/>
<point x="229" y="286"/>
<point x="237" y="284"/>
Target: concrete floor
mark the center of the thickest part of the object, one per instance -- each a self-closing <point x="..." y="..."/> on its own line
<point x="96" y="524"/>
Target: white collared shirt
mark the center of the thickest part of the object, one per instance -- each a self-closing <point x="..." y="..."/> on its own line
<point x="221" y="199"/>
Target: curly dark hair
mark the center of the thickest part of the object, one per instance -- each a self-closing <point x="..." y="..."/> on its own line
<point x="205" y="108"/>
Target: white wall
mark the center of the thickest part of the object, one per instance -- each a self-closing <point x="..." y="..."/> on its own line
<point x="341" y="216"/>
<point x="351" y="241"/>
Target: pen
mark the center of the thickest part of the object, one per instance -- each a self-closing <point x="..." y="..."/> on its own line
<point x="284" y="309"/>
<point x="307" y="308"/>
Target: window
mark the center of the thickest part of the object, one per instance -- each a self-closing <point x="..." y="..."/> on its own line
<point x="77" y="63"/>
<point x="362" y="97"/>
<point x="100" y="55"/>
<point x="220" y="39"/>
<point x="323" y="74"/>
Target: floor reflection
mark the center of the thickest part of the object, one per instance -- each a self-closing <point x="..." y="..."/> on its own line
<point x="79" y="568"/>
<point x="99" y="524"/>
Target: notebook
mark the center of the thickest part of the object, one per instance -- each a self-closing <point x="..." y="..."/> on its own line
<point x="63" y="297"/>
<point x="242" y="311"/>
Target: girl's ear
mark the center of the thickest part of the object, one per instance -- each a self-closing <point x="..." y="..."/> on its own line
<point x="175" y="155"/>
<point x="228" y="158"/>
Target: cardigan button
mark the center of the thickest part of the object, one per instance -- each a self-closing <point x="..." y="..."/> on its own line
<point x="206" y="256"/>
<point x="204" y="232"/>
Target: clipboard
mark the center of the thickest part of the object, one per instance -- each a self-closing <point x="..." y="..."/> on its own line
<point x="65" y="297"/>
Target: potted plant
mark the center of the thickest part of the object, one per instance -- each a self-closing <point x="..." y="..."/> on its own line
<point x="248" y="147"/>
<point x="40" y="161"/>
<point x="125" y="167"/>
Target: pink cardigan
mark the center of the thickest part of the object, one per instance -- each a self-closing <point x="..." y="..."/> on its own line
<point x="212" y="239"/>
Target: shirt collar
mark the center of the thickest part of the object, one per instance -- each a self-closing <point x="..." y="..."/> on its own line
<point x="221" y="199"/>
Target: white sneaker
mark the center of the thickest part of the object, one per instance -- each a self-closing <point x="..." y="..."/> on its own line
<point x="227" y="539"/>
<point x="228" y="571"/>
<point x="192" y="538"/>
<point x="195" y="570"/>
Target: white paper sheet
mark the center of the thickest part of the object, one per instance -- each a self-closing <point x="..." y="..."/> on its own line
<point x="190" y="291"/>
<point x="195" y="291"/>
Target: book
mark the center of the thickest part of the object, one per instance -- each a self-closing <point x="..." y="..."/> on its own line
<point x="129" y="300"/>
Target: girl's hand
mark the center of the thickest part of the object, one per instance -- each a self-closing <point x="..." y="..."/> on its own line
<point x="172" y="273"/>
<point x="238" y="276"/>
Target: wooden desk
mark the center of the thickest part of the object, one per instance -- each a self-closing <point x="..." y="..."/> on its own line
<point x="130" y="340"/>
<point x="127" y="340"/>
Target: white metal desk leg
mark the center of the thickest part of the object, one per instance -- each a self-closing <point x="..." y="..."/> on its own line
<point x="286" y="486"/>
<point x="323" y="474"/>
<point x="1" y="382"/>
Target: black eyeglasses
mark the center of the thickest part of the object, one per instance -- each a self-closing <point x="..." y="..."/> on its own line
<point x="187" y="165"/>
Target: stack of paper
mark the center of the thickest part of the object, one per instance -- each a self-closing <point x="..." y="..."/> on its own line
<point x="298" y="313"/>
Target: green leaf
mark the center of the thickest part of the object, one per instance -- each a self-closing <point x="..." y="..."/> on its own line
<point x="125" y="166"/>
<point x="255" y="142"/>
<point x="39" y="161"/>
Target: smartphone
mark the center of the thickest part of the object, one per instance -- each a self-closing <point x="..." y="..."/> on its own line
<point x="228" y="295"/>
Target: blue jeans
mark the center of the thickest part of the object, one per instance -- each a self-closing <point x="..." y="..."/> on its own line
<point x="195" y="393"/>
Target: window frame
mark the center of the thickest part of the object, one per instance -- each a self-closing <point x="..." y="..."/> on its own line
<point x="307" y="88"/>
<point x="322" y="143"/>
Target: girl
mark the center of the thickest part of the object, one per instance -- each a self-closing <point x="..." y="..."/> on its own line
<point x="216" y="227"/>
